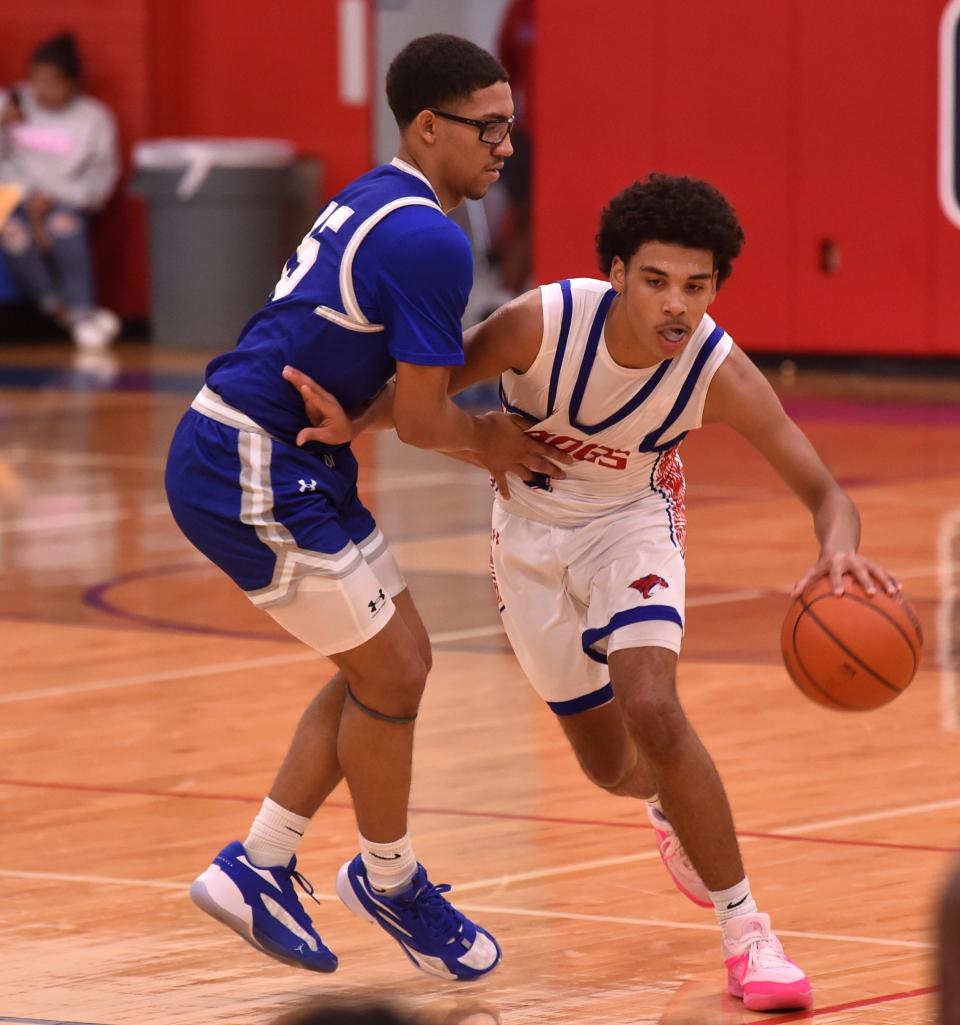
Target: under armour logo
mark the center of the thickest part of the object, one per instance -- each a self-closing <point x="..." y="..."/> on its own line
<point x="377" y="604"/>
<point x="307" y="485"/>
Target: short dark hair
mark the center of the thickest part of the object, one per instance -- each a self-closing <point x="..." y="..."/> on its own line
<point x="668" y="208"/>
<point x="61" y="51"/>
<point x="434" y="70"/>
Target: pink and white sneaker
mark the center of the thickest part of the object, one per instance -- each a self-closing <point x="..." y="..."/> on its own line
<point x="676" y="861"/>
<point x="758" y="971"/>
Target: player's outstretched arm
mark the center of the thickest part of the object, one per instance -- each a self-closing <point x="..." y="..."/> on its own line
<point x="417" y="404"/>
<point x="741" y="396"/>
<point x="426" y="418"/>
<point x="509" y="339"/>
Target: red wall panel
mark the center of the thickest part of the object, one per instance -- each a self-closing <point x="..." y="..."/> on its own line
<point x="224" y="68"/>
<point x="816" y="117"/>
<point x="864" y="177"/>
<point x="675" y="88"/>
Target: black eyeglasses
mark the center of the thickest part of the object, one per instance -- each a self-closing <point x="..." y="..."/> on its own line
<point x="491" y="132"/>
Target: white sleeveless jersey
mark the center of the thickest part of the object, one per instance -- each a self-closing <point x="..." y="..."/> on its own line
<point x="622" y="426"/>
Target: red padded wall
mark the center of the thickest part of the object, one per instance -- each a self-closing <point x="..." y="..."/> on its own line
<point x="816" y="117"/>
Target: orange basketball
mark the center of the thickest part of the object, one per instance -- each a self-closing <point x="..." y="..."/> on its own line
<point x="851" y="651"/>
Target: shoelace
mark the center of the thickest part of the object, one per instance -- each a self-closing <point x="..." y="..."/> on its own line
<point x="435" y="911"/>
<point x="766" y="952"/>
<point x="304" y="884"/>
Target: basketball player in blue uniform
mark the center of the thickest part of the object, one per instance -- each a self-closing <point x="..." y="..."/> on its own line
<point x="589" y="569"/>
<point x="377" y="288"/>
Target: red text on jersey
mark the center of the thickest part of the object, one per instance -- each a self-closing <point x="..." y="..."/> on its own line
<point x="585" y="451"/>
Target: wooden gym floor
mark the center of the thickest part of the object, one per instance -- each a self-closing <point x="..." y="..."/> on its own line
<point x="144" y="706"/>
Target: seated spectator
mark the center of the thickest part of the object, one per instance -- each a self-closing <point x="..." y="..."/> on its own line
<point x="59" y="146"/>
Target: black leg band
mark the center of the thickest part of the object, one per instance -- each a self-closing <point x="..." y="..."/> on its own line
<point x="373" y="713"/>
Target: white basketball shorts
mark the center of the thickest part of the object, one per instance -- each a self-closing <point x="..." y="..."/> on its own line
<point x="569" y="596"/>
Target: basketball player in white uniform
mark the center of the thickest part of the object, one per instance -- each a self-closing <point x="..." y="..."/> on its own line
<point x="589" y="569"/>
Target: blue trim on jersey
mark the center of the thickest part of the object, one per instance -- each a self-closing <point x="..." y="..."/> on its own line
<point x="641" y="614"/>
<point x="583" y="703"/>
<point x="514" y="409"/>
<point x="586" y="367"/>
<point x="566" y="293"/>
<point x="649" y="443"/>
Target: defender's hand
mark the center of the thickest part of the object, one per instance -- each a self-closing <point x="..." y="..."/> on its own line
<point x="867" y="573"/>
<point x="504" y="448"/>
<point x="331" y="425"/>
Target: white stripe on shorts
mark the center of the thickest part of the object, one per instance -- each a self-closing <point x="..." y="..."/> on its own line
<point x="256" y="510"/>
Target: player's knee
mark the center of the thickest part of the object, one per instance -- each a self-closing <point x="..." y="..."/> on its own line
<point x="608" y="770"/>
<point x="395" y="688"/>
<point x="656" y="721"/>
<point x="426" y="654"/>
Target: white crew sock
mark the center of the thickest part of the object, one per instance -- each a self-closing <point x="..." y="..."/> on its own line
<point x="390" y="866"/>
<point x="733" y="902"/>
<point x="274" y="835"/>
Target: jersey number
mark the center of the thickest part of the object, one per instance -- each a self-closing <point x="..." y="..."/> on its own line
<point x="332" y="219"/>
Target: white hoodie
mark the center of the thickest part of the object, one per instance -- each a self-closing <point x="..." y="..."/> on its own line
<point x="69" y="154"/>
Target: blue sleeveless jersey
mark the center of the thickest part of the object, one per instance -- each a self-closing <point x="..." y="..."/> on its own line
<point x="383" y="275"/>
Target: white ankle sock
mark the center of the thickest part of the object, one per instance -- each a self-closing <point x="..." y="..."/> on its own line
<point x="390" y="866"/>
<point x="733" y="902"/>
<point x="274" y="835"/>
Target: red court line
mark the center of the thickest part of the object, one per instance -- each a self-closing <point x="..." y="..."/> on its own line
<point x="465" y="813"/>
<point x="853" y="1005"/>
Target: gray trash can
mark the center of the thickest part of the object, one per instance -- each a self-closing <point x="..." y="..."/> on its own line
<point x="219" y="232"/>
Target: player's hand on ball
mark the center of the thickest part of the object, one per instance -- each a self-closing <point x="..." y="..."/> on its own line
<point x="331" y="425"/>
<point x="505" y="448"/>
<point x="866" y="572"/>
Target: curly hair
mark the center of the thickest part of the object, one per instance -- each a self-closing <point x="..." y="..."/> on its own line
<point x="668" y="208"/>
<point x="434" y="70"/>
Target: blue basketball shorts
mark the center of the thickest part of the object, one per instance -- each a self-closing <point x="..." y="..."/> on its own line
<point x="285" y="524"/>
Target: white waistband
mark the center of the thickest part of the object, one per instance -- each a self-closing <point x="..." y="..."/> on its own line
<point x="209" y="403"/>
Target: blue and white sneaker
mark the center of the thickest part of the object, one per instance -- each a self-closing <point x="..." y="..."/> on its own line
<point x="261" y="905"/>
<point x="437" y="938"/>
